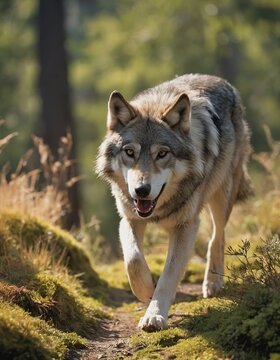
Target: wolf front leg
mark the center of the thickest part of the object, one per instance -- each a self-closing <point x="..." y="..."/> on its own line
<point x="179" y="251"/>
<point x="139" y="276"/>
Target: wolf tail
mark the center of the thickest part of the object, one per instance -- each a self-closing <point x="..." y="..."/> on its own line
<point x="245" y="188"/>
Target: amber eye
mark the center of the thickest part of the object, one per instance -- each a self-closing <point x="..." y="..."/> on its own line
<point x="161" y="154"/>
<point x="129" y="152"/>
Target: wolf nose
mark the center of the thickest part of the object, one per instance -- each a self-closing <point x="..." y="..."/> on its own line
<point x="143" y="190"/>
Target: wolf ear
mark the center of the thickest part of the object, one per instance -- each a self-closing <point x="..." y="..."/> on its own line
<point x="179" y="114"/>
<point x="120" y="112"/>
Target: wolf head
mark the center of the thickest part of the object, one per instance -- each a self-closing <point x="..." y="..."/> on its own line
<point x="147" y="150"/>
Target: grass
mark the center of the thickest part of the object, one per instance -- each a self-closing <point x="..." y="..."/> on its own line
<point x="48" y="282"/>
<point x="23" y="336"/>
<point x="52" y="297"/>
<point x="187" y="338"/>
<point x="218" y="328"/>
<point x="244" y="322"/>
<point x="29" y="233"/>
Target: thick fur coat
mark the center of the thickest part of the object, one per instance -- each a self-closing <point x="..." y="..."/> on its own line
<point x="168" y="152"/>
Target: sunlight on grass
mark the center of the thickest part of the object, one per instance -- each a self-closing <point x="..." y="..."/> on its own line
<point x="47" y="281"/>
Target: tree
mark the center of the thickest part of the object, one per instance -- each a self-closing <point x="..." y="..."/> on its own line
<point x="56" y="117"/>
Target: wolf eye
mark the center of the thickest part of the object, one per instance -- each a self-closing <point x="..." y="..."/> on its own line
<point x="161" y="154"/>
<point x="129" y="152"/>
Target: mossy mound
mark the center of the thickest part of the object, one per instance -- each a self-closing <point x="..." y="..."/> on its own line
<point x="24" y="337"/>
<point x="217" y="329"/>
<point x="50" y="294"/>
<point x="35" y="233"/>
<point x="182" y="340"/>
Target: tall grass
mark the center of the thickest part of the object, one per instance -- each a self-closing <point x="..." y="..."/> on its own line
<point x="41" y="192"/>
<point x="47" y="281"/>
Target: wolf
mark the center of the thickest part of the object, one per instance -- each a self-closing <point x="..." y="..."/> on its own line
<point x="170" y="151"/>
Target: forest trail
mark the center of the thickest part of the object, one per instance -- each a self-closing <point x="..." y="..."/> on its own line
<point x="112" y="338"/>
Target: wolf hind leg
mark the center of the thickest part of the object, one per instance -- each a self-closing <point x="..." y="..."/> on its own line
<point x="139" y="276"/>
<point x="220" y="208"/>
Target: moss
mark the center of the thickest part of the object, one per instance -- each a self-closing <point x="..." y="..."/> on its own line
<point x="164" y="338"/>
<point x="71" y="310"/>
<point x="148" y="345"/>
<point x="188" y="337"/>
<point x="52" y="298"/>
<point x="47" y="279"/>
<point x="217" y="328"/>
<point x="25" y="337"/>
<point x="25" y="230"/>
<point x="196" y="347"/>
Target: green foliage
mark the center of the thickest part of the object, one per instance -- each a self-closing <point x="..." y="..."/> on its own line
<point x="253" y="329"/>
<point x="18" y="71"/>
<point x="261" y="267"/>
<point x="255" y="284"/>
<point x="243" y="324"/>
<point x="111" y="49"/>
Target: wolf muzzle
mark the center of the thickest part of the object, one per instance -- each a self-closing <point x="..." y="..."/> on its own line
<point x="144" y="207"/>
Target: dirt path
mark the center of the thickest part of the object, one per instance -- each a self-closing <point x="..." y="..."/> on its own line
<point x="112" y="339"/>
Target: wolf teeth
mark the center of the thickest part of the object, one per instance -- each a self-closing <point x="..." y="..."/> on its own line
<point x="144" y="206"/>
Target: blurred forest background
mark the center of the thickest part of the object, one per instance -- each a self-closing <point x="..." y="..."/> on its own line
<point x="60" y="60"/>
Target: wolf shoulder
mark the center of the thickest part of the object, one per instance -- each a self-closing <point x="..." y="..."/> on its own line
<point x="205" y="85"/>
<point x="204" y="91"/>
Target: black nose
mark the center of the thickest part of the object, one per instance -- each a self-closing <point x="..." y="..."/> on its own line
<point x="143" y="190"/>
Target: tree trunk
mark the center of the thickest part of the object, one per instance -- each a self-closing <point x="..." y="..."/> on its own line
<point x="228" y="56"/>
<point x="56" y="118"/>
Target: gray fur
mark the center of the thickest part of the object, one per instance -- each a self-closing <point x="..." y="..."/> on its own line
<point x="199" y="119"/>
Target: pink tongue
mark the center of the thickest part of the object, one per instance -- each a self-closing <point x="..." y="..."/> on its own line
<point x="144" y="206"/>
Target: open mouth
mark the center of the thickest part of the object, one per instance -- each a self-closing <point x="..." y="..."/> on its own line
<point x="145" y="207"/>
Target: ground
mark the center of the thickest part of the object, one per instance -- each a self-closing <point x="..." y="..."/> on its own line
<point x="113" y="338"/>
<point x="55" y="303"/>
<point x="58" y="303"/>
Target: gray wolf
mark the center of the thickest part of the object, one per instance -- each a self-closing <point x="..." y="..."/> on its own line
<point x="168" y="152"/>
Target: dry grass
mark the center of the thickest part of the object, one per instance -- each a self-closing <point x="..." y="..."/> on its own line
<point x="270" y="160"/>
<point x="41" y="192"/>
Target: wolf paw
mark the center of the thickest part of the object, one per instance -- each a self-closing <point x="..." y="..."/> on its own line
<point x="211" y="288"/>
<point x="152" y="323"/>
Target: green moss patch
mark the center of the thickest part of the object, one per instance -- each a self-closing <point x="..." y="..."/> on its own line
<point x="217" y="328"/>
<point x="50" y="293"/>
<point x="25" y="337"/>
<point x="29" y="231"/>
<point x="162" y="339"/>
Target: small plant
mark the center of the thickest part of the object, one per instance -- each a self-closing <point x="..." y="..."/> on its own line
<point x="261" y="267"/>
<point x="254" y="284"/>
